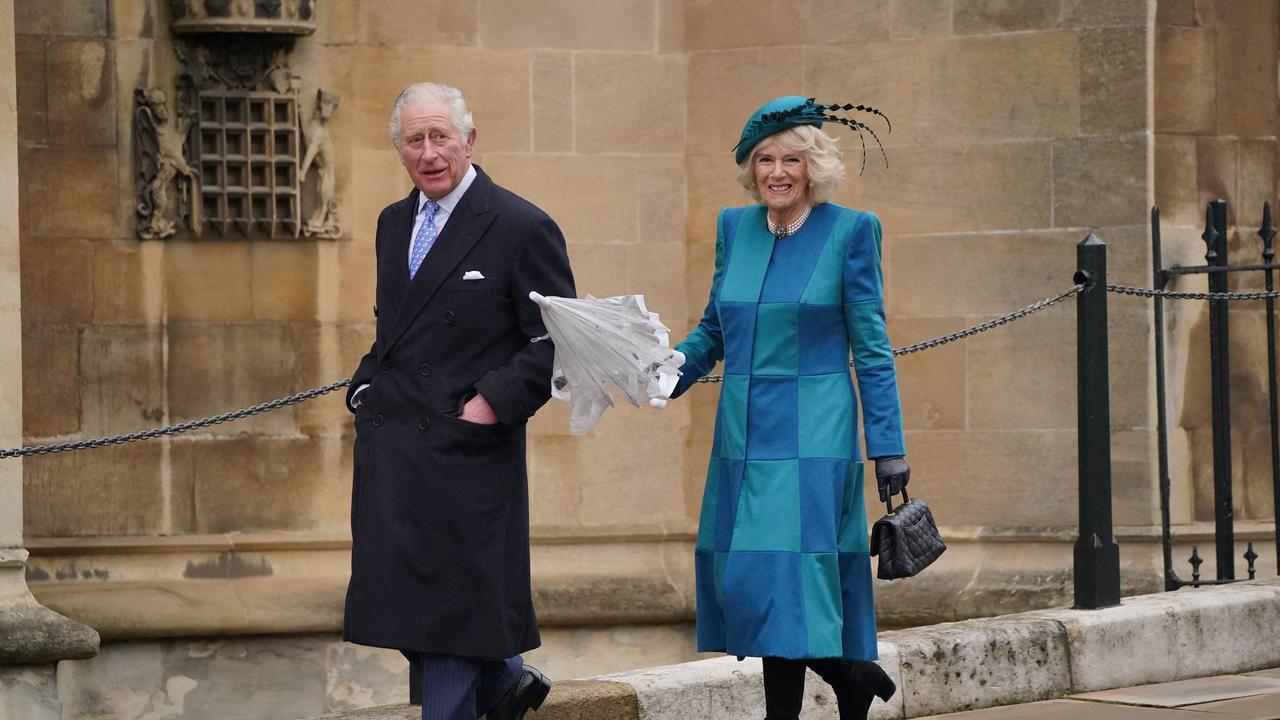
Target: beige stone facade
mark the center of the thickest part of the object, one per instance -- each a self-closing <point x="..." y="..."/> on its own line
<point x="1019" y="127"/>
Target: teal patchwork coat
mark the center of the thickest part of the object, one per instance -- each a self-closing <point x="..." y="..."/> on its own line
<point x="782" y="564"/>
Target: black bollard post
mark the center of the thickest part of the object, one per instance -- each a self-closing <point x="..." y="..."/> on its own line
<point x="1097" y="555"/>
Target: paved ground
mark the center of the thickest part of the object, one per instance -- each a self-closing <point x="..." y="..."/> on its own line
<point x="1252" y="696"/>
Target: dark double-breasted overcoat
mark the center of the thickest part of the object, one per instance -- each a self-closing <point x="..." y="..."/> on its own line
<point x="439" y="506"/>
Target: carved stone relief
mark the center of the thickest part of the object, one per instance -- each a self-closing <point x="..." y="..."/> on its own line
<point x="232" y="160"/>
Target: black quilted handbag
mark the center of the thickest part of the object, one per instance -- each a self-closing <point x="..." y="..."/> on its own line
<point x="906" y="539"/>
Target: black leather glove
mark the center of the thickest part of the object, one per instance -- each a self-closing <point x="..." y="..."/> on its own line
<point x="892" y="475"/>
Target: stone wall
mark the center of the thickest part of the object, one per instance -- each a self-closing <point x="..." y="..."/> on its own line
<point x="1215" y="121"/>
<point x="1019" y="127"/>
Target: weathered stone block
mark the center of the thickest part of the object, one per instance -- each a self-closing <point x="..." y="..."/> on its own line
<point x="1007" y="661"/>
<point x="216" y="368"/>
<point x="128" y="282"/>
<point x="956" y="189"/>
<point x="1113" y="80"/>
<point x="621" y="25"/>
<point x="1185" y="80"/>
<point x="553" y="127"/>
<point x="121" y="379"/>
<point x="620" y="110"/>
<point x="610" y="495"/>
<point x="713" y="24"/>
<point x="141" y="19"/>
<point x="1176" y="13"/>
<point x="918" y="18"/>
<point x="81" y="85"/>
<point x="832" y="21"/>
<point x="711" y="182"/>
<point x="872" y="73"/>
<point x="725" y="87"/>
<point x="1099" y="182"/>
<point x="1106" y="13"/>
<point x="285" y="280"/>
<point x="660" y="198"/>
<point x="384" y="23"/>
<point x="209" y="280"/>
<point x="29" y="692"/>
<point x="32" y="91"/>
<point x="601" y="208"/>
<point x="555" y="498"/>
<point x="50" y="380"/>
<point x="356" y="281"/>
<point x="252" y="484"/>
<point x="339" y="24"/>
<point x="1177" y="191"/>
<point x="62" y="17"/>
<point x="111" y="491"/>
<point x="57" y="281"/>
<point x="931" y="384"/>
<point x="974" y="17"/>
<point x="959" y="274"/>
<point x="1258" y="169"/>
<point x="495" y="84"/>
<point x="70" y="192"/>
<point x="1247" y="50"/>
<point x="981" y="89"/>
<point x="671" y="23"/>
<point x="1217" y="172"/>
<point x="362" y="677"/>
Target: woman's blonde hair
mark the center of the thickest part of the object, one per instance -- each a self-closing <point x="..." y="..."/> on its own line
<point x="822" y="156"/>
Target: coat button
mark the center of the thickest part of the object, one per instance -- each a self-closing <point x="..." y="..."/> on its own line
<point x="424" y="369"/>
<point x="424" y="423"/>
<point x="448" y="317"/>
<point x="378" y="420"/>
<point x="384" y="367"/>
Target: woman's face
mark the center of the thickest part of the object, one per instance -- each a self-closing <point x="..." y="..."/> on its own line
<point x="782" y="177"/>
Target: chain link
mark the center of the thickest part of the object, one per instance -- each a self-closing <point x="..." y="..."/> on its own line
<point x="180" y="427"/>
<point x="958" y="335"/>
<point x="339" y="384"/>
<point x="1180" y="295"/>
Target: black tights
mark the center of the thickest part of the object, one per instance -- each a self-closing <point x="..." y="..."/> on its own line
<point x="855" y="682"/>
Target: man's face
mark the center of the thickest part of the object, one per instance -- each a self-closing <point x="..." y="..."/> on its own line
<point x="433" y="151"/>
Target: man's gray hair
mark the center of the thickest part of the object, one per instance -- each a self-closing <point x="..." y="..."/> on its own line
<point x="439" y="93"/>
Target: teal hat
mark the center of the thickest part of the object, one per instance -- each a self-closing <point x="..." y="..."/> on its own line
<point x="791" y="111"/>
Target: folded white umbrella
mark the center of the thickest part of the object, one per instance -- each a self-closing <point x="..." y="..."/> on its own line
<point x="607" y="341"/>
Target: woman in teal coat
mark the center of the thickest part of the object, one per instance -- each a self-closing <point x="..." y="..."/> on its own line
<point x="783" y="571"/>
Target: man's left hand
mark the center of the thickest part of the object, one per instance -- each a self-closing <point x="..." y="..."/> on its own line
<point x="477" y="410"/>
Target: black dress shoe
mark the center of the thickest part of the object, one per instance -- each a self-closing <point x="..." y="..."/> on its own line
<point x="526" y="694"/>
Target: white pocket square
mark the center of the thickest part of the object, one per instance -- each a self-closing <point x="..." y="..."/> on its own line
<point x="473" y="275"/>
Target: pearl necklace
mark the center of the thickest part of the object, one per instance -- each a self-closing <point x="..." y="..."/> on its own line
<point x="791" y="228"/>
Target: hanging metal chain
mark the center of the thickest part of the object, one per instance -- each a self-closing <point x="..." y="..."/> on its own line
<point x="179" y="428"/>
<point x="972" y="330"/>
<point x="339" y="384"/>
<point x="1180" y="295"/>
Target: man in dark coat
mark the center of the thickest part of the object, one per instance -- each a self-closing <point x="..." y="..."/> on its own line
<point x="439" y="506"/>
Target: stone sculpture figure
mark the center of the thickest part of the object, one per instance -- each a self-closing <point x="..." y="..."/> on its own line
<point x="161" y="160"/>
<point x="323" y="221"/>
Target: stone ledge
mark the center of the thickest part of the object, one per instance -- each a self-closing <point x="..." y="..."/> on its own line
<point x="31" y="634"/>
<point x="971" y="664"/>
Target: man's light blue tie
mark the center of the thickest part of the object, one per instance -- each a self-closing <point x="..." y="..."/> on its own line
<point x="425" y="238"/>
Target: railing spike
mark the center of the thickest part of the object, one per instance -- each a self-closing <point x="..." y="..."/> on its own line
<point x="1250" y="556"/>
<point x="1195" y="561"/>
<point x="1210" y="235"/>
<point x="1267" y="232"/>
